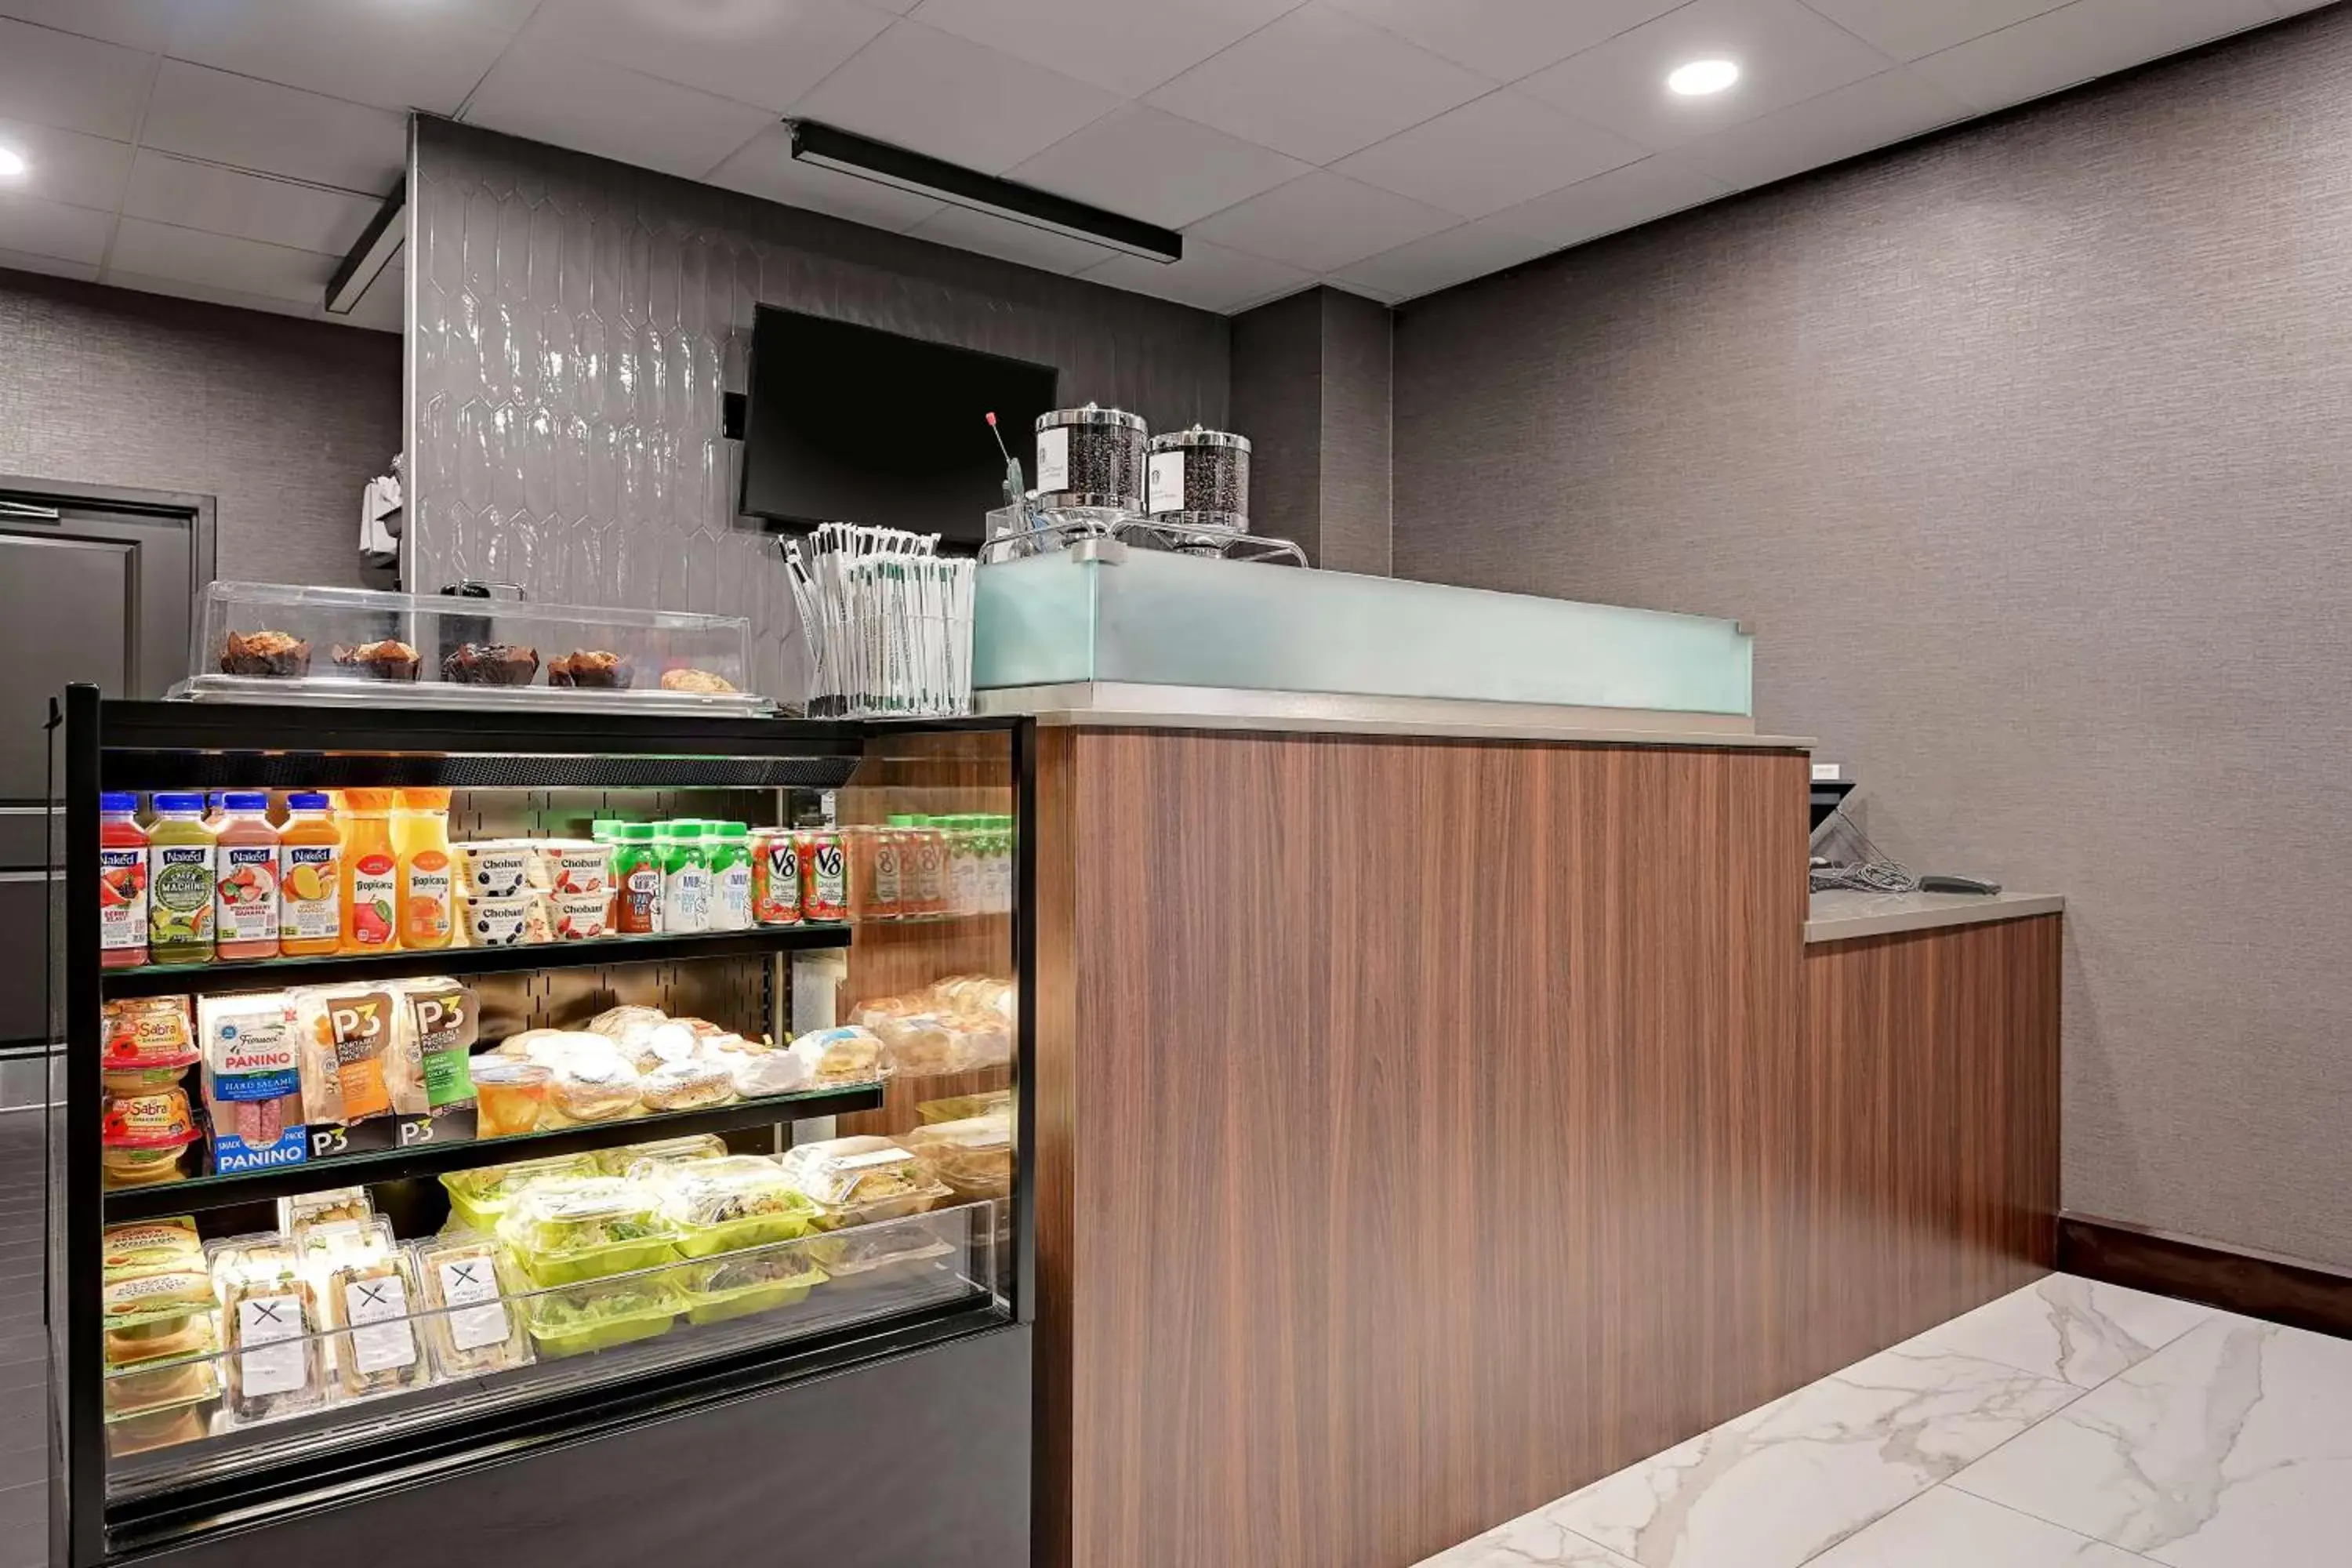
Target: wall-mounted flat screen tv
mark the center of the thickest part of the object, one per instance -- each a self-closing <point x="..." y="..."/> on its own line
<point x="850" y="424"/>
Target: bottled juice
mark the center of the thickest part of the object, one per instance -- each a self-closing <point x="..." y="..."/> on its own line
<point x="122" y="883"/>
<point x="685" y="877"/>
<point x="180" y="851"/>
<point x="370" y="872"/>
<point x="310" y="880"/>
<point x="637" y="881"/>
<point x="420" y="836"/>
<point x="729" y="847"/>
<point x="245" y="913"/>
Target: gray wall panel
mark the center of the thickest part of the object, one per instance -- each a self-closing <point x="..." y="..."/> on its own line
<point x="2024" y="449"/>
<point x="282" y="421"/>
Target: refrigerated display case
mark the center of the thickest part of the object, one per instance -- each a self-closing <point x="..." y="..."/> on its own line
<point x="650" y="1253"/>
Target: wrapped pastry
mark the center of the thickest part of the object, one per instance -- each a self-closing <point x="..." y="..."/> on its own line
<point x="368" y="1291"/>
<point x="470" y="1328"/>
<point x="757" y="1073"/>
<point x="919" y="1043"/>
<point x="689" y="1085"/>
<point x="267" y="1316"/>
<point x="612" y="1021"/>
<point x="648" y="1046"/>
<point x="593" y="1089"/>
<point x="972" y="1157"/>
<point x="849" y="1054"/>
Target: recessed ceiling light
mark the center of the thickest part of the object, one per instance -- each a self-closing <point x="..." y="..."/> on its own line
<point x="12" y="162"/>
<point x="1700" y="78"/>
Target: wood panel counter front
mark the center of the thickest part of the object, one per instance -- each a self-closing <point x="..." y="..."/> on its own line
<point x="1426" y="1128"/>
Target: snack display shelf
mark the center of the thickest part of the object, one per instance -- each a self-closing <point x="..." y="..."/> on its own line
<point x="176" y="979"/>
<point x="899" y="1357"/>
<point x="199" y="1194"/>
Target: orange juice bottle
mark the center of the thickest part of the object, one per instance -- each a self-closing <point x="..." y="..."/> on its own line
<point x="310" y="880"/>
<point x="371" y="871"/>
<point x="420" y="838"/>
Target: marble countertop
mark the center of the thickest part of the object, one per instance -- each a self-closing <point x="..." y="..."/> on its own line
<point x="1840" y="916"/>
<point x="1129" y="706"/>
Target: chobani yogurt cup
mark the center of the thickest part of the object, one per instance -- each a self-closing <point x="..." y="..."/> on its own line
<point x="501" y="923"/>
<point x="576" y="866"/>
<point x="496" y="868"/>
<point x="578" y="915"/>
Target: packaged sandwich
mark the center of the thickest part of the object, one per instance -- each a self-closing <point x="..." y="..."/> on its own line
<point x="299" y="1214"/>
<point x="252" y="1080"/>
<point x="842" y="1056"/>
<point x="690" y="1085"/>
<point x="151" y="1247"/>
<point x="469" y="1327"/>
<point x="267" y="1316"/>
<point x="586" y="1227"/>
<point x="431" y="1076"/>
<point x="144" y="1388"/>
<point x="349" y="1035"/>
<point x="165" y="1310"/>
<point x="367" y="1288"/>
<point x="150" y="1044"/>
<point x="724" y="1206"/>
<point x="860" y="1181"/>
<point x="972" y="1157"/>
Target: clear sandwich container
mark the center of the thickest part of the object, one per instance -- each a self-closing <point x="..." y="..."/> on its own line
<point x="575" y="1319"/>
<point x="479" y="1198"/>
<point x="973" y="1157"/>
<point x="746" y="1283"/>
<point x="861" y="1180"/>
<point x="958" y="1108"/>
<point x="568" y="1230"/>
<point x="366" y="1286"/>
<point x="637" y="1159"/>
<point x="270" y="1317"/>
<point x="726" y="1205"/>
<point x="263" y="642"/>
<point x="471" y="1328"/>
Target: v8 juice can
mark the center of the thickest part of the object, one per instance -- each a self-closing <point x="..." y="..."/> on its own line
<point x="775" y="878"/>
<point x="824" y="874"/>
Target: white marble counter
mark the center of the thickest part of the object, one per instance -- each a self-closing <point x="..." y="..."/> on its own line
<point x="1128" y="705"/>
<point x="1842" y="916"/>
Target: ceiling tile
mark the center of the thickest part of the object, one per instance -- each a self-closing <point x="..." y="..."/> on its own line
<point x="135" y="24"/>
<point x="44" y="227"/>
<point x="221" y="261"/>
<point x="70" y="82"/>
<point x="1441" y="260"/>
<point x="2080" y="41"/>
<point x="917" y="86"/>
<point x="765" y="167"/>
<point x="1786" y="55"/>
<point x="188" y="289"/>
<point x="1128" y="46"/>
<point x="252" y="206"/>
<point x="1321" y="222"/>
<point x="393" y="54"/>
<point x="1319" y="85"/>
<point x="55" y="267"/>
<point x="228" y="119"/>
<point x="1906" y="29"/>
<point x="1506" y="39"/>
<point x="1209" y="278"/>
<point x="1870" y="113"/>
<point x="766" y="52"/>
<point x="546" y="92"/>
<point x="66" y="166"/>
<point x="1158" y="167"/>
<point x="1009" y="241"/>
<point x="1493" y="152"/>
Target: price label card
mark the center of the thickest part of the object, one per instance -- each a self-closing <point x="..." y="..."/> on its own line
<point x="1053" y="458"/>
<point x="1164" y="489"/>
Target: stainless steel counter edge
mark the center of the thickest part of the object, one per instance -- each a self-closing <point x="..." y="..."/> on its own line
<point x="1842" y="916"/>
<point x="1113" y="704"/>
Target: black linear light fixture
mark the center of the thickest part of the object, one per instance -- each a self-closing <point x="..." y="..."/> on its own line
<point x="847" y="152"/>
<point x="378" y="244"/>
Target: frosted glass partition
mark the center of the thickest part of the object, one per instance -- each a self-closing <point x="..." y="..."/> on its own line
<point x="1153" y="618"/>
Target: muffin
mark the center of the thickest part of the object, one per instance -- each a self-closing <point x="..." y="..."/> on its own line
<point x="386" y="660"/>
<point x="491" y="664"/>
<point x="700" y="682"/>
<point x="592" y="667"/>
<point x="280" y="654"/>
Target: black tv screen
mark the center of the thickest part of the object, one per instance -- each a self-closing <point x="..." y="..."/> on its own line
<point x="850" y="424"/>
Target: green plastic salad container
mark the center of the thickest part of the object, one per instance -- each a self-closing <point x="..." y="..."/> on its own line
<point x="586" y="1227"/>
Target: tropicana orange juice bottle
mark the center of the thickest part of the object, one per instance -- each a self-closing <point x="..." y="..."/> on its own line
<point x="371" y="871"/>
<point x="420" y="838"/>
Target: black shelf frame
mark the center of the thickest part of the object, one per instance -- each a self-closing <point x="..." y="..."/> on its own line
<point x="208" y="979"/>
<point x="129" y="746"/>
<point x="431" y="1159"/>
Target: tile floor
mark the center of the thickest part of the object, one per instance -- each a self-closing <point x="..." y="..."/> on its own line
<point x="2069" y="1426"/>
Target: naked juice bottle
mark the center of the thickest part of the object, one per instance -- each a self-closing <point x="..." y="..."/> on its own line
<point x="370" y="872"/>
<point x="420" y="838"/>
<point x="310" y="880"/>
<point x="245" y="920"/>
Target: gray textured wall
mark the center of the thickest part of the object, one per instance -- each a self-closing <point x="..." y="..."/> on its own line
<point x="1311" y="391"/>
<point x="577" y="321"/>
<point x="282" y="421"/>
<point x="2026" y="451"/>
<point x="1357" y="420"/>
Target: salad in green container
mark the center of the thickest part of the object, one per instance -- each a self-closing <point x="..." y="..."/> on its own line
<point x="726" y="1205"/>
<point x="479" y="1198"/>
<point x="601" y="1314"/>
<point x="564" y="1231"/>
<point x="743" y="1283"/>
